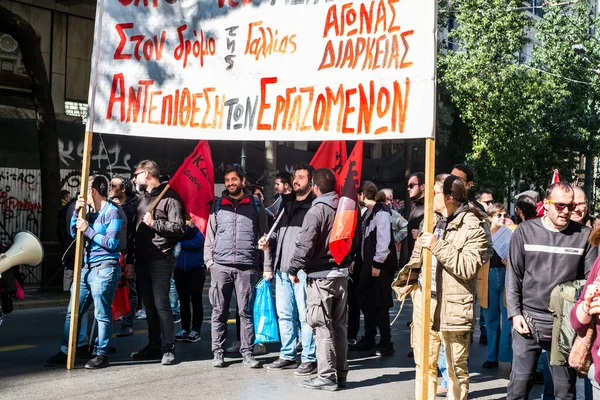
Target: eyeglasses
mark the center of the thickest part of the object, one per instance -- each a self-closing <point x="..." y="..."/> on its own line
<point x="137" y="173"/>
<point x="502" y="215"/>
<point x="560" y="207"/>
<point x="488" y="202"/>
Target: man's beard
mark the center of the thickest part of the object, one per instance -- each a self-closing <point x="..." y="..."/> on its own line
<point x="236" y="191"/>
<point x="141" y="187"/>
<point x="301" y="191"/>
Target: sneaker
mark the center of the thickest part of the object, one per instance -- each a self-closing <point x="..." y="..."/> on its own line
<point x="147" y="353"/>
<point x="259" y="349"/>
<point x="97" y="362"/>
<point x="364" y="344"/>
<point x="218" y="360"/>
<point x="59" y="359"/>
<point x="125" y="331"/>
<point x="176" y="319"/>
<point x="352" y="342"/>
<point x="250" y="361"/>
<point x="168" y="357"/>
<point x="490" y="365"/>
<point x="383" y="350"/>
<point x="180" y="337"/>
<point x="192" y="337"/>
<point x="306" y="368"/>
<point x="140" y="314"/>
<point x="234" y="348"/>
<point x="281" y="364"/>
<point x="320" y="383"/>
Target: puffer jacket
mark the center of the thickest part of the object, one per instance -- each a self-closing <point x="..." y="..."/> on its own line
<point x="233" y="231"/>
<point x="191" y="256"/>
<point x="460" y="254"/>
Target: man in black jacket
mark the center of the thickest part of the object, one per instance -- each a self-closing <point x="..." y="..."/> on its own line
<point x="121" y="193"/>
<point x="291" y="299"/>
<point x="327" y="291"/>
<point x="157" y="233"/>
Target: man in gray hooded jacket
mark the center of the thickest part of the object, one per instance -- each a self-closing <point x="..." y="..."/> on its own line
<point x="327" y="290"/>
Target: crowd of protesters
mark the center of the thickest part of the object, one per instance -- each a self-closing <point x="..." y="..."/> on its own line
<point x="513" y="268"/>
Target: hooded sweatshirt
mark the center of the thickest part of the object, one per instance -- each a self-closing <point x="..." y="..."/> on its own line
<point x="312" y="244"/>
<point x="158" y="241"/>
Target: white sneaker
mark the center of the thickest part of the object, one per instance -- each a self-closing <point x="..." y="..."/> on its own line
<point x="259" y="349"/>
<point x="234" y="348"/>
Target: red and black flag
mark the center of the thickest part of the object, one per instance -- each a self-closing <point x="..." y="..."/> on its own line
<point x="194" y="181"/>
<point x="331" y="154"/>
<point x="344" y="223"/>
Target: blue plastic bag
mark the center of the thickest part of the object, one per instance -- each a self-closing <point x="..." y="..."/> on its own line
<point x="266" y="329"/>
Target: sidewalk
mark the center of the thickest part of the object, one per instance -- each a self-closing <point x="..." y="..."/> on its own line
<point x="34" y="298"/>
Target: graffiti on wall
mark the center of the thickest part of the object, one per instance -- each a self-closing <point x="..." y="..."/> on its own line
<point x="20" y="202"/>
<point x="110" y="158"/>
<point x="21" y="199"/>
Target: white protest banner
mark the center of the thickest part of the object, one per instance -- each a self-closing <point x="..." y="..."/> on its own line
<point x="264" y="70"/>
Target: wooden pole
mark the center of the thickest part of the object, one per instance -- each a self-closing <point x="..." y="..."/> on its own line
<point x="159" y="198"/>
<point x="426" y="267"/>
<point x="79" y="247"/>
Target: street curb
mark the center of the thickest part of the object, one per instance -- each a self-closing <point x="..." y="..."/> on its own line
<point x="46" y="303"/>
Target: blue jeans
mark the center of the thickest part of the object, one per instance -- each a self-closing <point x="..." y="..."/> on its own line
<point x="443" y="367"/>
<point x="174" y="298"/>
<point x="290" y="301"/>
<point x="98" y="285"/>
<point x="498" y="327"/>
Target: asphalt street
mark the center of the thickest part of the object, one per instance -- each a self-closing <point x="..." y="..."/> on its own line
<point x="28" y="337"/>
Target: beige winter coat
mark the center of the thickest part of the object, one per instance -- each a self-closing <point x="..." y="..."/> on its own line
<point x="460" y="256"/>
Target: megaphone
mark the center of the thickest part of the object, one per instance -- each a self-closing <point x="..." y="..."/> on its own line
<point x="26" y="249"/>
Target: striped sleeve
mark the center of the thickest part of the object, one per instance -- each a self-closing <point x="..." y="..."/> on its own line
<point x="114" y="224"/>
<point x="73" y="224"/>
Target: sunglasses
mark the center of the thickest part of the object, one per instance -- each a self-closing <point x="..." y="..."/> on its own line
<point x="560" y="207"/>
<point x="412" y="185"/>
<point x="502" y="215"/>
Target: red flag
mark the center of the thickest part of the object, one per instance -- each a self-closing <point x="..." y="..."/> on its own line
<point x="331" y="154"/>
<point x="194" y="181"/>
<point x="555" y="177"/>
<point x="344" y="223"/>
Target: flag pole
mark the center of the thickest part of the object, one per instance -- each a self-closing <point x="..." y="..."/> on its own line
<point x="426" y="267"/>
<point x="79" y="247"/>
<point x="428" y="227"/>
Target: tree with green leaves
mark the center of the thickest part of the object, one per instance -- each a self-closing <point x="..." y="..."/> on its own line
<point x="525" y="118"/>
